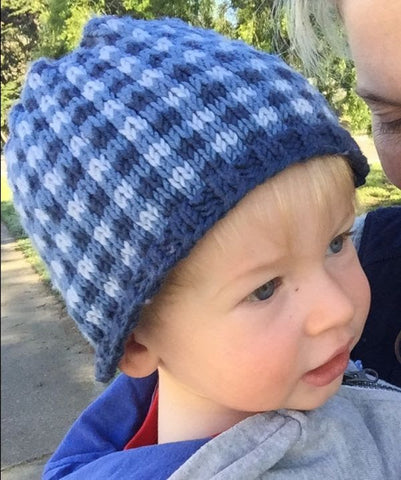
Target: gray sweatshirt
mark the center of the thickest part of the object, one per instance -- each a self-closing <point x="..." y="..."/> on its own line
<point x="356" y="435"/>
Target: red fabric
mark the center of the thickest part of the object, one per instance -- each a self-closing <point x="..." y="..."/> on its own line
<point x="147" y="434"/>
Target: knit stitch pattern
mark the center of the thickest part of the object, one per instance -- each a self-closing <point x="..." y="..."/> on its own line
<point x="123" y="153"/>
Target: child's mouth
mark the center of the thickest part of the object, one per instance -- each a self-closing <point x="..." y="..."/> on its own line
<point x="329" y="371"/>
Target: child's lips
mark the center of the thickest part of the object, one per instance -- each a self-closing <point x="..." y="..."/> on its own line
<point x="329" y="371"/>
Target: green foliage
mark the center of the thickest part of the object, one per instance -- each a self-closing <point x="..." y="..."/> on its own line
<point x="197" y="12"/>
<point x="53" y="27"/>
<point x="257" y="26"/>
<point x="224" y="21"/>
<point x="377" y="191"/>
<point x="336" y="82"/>
<point x="355" y="113"/>
<point x="63" y="21"/>
<point x="10" y="217"/>
<point x="9" y="93"/>
<point x="11" y="220"/>
<point x="255" y="23"/>
<point x="19" y="34"/>
<point x="62" y="25"/>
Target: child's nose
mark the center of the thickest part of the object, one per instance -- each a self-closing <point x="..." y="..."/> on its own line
<point x="328" y="305"/>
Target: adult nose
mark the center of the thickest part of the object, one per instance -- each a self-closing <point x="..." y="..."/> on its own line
<point x="327" y="305"/>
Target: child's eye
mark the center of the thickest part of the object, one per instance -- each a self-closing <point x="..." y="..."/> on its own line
<point x="337" y="244"/>
<point x="265" y="291"/>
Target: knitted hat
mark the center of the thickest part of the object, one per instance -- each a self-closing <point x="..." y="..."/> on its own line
<point x="123" y="153"/>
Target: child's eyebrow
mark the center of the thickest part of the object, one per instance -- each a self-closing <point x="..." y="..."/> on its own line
<point x="267" y="266"/>
<point x="348" y="217"/>
<point x="244" y="276"/>
<point x="263" y="268"/>
<point x="344" y="223"/>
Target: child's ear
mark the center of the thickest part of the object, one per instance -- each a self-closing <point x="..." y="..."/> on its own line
<point x="138" y="360"/>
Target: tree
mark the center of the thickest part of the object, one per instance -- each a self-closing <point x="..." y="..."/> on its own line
<point x="62" y="24"/>
<point x="19" y="37"/>
<point x="257" y="25"/>
<point x="64" y="19"/>
<point x="53" y="27"/>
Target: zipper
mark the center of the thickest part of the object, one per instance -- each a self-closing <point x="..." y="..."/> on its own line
<point x="367" y="378"/>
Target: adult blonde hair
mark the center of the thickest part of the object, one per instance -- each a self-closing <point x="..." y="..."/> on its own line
<point x="315" y="30"/>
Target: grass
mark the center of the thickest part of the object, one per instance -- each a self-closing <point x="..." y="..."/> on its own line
<point x="11" y="219"/>
<point x="377" y="192"/>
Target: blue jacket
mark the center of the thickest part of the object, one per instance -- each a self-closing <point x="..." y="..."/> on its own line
<point x="93" y="448"/>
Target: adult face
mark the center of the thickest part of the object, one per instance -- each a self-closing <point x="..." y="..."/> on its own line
<point x="374" y="34"/>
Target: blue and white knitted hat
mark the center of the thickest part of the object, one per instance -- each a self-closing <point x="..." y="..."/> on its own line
<point x="123" y="153"/>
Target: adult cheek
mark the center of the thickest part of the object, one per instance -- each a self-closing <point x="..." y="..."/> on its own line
<point x="388" y="147"/>
<point x="391" y="166"/>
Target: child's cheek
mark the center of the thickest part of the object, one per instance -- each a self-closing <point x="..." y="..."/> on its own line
<point x="363" y="296"/>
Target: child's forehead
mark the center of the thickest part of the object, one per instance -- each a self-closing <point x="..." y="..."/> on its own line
<point x="316" y="184"/>
<point x="305" y="197"/>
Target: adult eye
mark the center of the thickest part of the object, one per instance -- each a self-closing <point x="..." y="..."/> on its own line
<point x="386" y="113"/>
<point x="390" y="127"/>
<point x="265" y="291"/>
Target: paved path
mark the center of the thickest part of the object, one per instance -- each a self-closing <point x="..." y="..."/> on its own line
<point x="367" y="146"/>
<point x="46" y="368"/>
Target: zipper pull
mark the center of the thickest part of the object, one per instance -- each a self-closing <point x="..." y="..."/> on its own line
<point x="365" y="376"/>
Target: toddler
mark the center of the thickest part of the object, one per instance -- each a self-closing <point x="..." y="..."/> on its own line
<point x="193" y="199"/>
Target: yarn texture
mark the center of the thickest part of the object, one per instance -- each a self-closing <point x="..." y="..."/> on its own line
<point x="123" y="153"/>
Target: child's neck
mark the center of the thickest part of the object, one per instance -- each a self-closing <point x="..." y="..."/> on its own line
<point x="183" y="415"/>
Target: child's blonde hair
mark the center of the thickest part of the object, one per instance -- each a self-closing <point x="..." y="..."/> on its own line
<point x="312" y="184"/>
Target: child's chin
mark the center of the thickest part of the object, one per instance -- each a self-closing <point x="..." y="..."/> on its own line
<point x="320" y="395"/>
